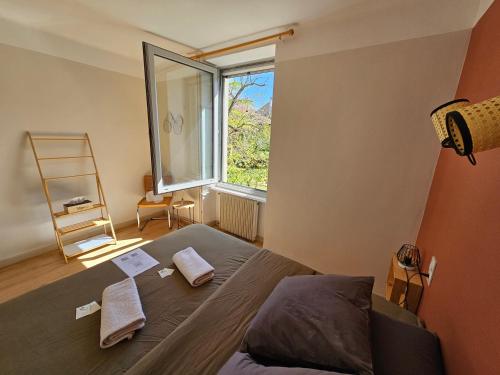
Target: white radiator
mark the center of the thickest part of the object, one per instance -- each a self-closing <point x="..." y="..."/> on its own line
<point x="239" y="216"/>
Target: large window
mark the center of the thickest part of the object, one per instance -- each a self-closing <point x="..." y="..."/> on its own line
<point x="182" y="98"/>
<point x="247" y="111"/>
<point x="188" y="136"/>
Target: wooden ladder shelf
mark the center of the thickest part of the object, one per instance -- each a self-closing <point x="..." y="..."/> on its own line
<point x="104" y="220"/>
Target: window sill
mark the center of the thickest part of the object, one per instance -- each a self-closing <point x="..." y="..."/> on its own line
<point x="241" y="191"/>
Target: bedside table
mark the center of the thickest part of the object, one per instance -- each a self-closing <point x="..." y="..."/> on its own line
<point x="396" y="286"/>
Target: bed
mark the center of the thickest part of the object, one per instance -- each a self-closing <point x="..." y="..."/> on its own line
<point x="188" y="330"/>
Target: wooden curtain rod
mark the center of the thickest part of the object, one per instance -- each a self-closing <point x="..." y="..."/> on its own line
<point x="224" y="50"/>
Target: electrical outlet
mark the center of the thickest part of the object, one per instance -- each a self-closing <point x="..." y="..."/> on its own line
<point x="432" y="268"/>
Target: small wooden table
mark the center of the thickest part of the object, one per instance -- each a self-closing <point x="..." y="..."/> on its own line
<point x="143" y="203"/>
<point x="182" y="204"/>
<point x="396" y="286"/>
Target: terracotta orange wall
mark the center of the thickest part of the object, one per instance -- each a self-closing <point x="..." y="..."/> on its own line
<point x="461" y="227"/>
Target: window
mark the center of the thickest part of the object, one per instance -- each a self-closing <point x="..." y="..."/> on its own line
<point x="189" y="138"/>
<point x="182" y="99"/>
<point x="247" y="107"/>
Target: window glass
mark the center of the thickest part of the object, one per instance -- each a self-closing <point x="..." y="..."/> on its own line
<point x="182" y="97"/>
<point x="248" y="108"/>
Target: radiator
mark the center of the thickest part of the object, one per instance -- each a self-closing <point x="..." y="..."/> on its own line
<point x="239" y="216"/>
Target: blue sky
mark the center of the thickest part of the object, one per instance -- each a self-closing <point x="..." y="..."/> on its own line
<point x="260" y="95"/>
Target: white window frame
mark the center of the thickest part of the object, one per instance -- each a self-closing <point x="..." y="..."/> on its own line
<point x="161" y="186"/>
<point x="223" y="186"/>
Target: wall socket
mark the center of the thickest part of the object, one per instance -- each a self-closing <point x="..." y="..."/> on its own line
<point x="432" y="268"/>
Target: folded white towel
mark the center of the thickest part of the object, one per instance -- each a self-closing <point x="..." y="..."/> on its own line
<point x="121" y="312"/>
<point x="195" y="269"/>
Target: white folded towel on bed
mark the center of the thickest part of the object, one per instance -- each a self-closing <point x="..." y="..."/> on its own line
<point x="195" y="269"/>
<point x="121" y="312"/>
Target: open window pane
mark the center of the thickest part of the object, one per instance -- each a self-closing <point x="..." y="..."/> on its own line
<point x="182" y="110"/>
<point x="247" y="128"/>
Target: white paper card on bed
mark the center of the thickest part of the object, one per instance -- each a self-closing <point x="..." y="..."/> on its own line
<point x="87" y="309"/>
<point x="166" y="272"/>
<point x="135" y="262"/>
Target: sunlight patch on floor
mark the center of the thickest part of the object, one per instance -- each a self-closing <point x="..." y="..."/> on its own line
<point x="95" y="257"/>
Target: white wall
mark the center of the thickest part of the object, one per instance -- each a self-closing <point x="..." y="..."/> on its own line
<point x="368" y="23"/>
<point x="45" y="93"/>
<point x="92" y="40"/>
<point x="353" y="150"/>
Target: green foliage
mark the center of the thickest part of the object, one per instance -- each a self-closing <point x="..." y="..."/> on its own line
<point x="249" y="134"/>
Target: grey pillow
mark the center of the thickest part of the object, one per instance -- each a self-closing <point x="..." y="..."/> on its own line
<point x="315" y="321"/>
<point x="401" y="348"/>
<point x="244" y="364"/>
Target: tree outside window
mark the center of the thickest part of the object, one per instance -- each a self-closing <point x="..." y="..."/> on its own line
<point x="249" y="128"/>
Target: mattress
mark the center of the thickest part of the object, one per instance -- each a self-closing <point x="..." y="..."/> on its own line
<point x="203" y="343"/>
<point x="188" y="330"/>
<point x="206" y="340"/>
<point x="39" y="333"/>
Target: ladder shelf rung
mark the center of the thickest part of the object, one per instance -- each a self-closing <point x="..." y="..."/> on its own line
<point x="65" y="157"/>
<point x="57" y="139"/>
<point x="70" y="176"/>
<point x="64" y="213"/>
<point x="99" y="222"/>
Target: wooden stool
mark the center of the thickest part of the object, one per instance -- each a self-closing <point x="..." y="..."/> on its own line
<point x="143" y="203"/>
<point x="179" y="205"/>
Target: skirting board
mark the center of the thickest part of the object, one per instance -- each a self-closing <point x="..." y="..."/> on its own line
<point x="53" y="247"/>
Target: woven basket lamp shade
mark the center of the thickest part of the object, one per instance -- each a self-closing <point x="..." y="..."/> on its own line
<point x="438" y="118"/>
<point x="475" y="128"/>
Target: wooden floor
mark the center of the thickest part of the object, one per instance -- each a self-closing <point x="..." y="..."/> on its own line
<point x="35" y="272"/>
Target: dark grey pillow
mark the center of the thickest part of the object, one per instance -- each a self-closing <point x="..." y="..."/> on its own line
<point x="315" y="321"/>
<point x="244" y="364"/>
<point x="401" y="348"/>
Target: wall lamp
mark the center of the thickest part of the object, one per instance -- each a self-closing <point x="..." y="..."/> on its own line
<point x="468" y="128"/>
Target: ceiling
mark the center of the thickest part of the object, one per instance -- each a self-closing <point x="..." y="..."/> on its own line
<point x="196" y="24"/>
<point x="204" y="23"/>
<point x="114" y="29"/>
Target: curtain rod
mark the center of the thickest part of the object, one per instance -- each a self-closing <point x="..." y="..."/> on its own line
<point x="222" y="51"/>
